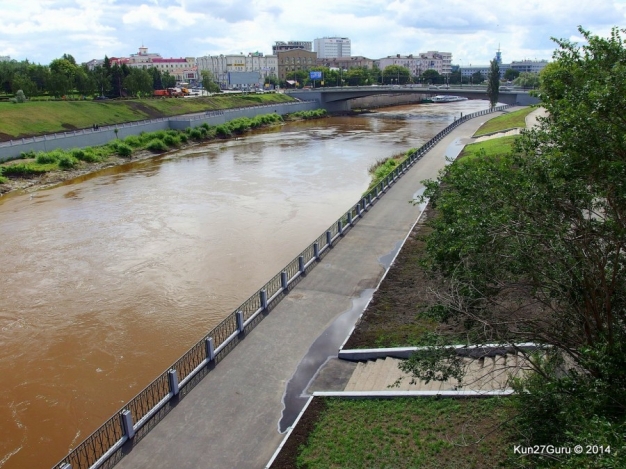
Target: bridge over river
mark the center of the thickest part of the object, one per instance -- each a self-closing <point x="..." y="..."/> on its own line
<point x="338" y="99"/>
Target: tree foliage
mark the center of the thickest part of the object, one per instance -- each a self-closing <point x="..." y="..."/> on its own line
<point x="493" y="83"/>
<point x="530" y="246"/>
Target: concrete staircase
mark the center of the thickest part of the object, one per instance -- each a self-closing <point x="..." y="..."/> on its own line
<point x="487" y="373"/>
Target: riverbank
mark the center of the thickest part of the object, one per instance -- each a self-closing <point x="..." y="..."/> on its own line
<point x="35" y="118"/>
<point x="115" y="156"/>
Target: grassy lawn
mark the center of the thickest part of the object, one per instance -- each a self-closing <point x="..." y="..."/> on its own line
<point x="39" y="117"/>
<point x="507" y="121"/>
<point x="407" y="433"/>
<point x="492" y="147"/>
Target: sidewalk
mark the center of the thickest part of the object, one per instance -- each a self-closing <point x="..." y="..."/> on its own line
<point x="231" y="418"/>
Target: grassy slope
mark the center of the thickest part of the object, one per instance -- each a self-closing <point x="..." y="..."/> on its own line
<point x="510" y="120"/>
<point x="39" y="117"/>
<point x="407" y="433"/>
<point x="492" y="147"/>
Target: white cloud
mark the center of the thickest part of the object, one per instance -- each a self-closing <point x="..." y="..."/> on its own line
<point x="42" y="30"/>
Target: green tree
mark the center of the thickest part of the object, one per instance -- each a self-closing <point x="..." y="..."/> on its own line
<point x="209" y="83"/>
<point x="511" y="74"/>
<point x="85" y="82"/>
<point x="22" y="81"/>
<point x="527" y="80"/>
<point x="396" y="74"/>
<point x="138" y="82"/>
<point x="168" y="80"/>
<point x="493" y="83"/>
<point x="529" y="246"/>
<point x="102" y="80"/>
<point x="431" y="77"/>
<point x="477" y="78"/>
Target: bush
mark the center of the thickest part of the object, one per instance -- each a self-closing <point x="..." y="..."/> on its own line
<point x="85" y="155"/>
<point x="22" y="170"/>
<point x="123" y="150"/>
<point x="67" y="162"/>
<point x="27" y="154"/>
<point x="133" y="141"/>
<point x="156" y="145"/>
<point x="223" y="130"/>
<point x="183" y="137"/>
<point x="171" y="140"/>
<point x="3" y="180"/>
<point x="20" y="97"/>
<point x="195" y="134"/>
<point x="47" y="158"/>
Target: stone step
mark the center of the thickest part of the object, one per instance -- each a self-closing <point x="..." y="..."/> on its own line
<point x="356" y="376"/>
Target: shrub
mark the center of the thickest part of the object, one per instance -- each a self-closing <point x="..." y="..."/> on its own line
<point x="183" y="137"/>
<point x="22" y="170"/>
<point x="195" y="134"/>
<point x="67" y="162"/>
<point x="133" y="141"/>
<point x="27" y="154"/>
<point x="124" y="150"/>
<point x="171" y="140"/>
<point x="85" y="155"/>
<point x="20" y="97"/>
<point x="223" y="130"/>
<point x="3" y="180"/>
<point x="156" y="145"/>
<point x="47" y="158"/>
<point x="205" y="125"/>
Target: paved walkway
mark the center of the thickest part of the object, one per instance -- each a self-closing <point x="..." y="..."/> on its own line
<point x="230" y="419"/>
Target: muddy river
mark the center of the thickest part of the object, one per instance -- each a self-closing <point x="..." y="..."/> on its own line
<point x="108" y="279"/>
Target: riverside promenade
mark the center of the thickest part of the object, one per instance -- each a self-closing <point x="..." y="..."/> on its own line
<point x="232" y="417"/>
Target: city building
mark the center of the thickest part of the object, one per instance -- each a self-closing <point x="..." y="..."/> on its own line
<point x="94" y="63"/>
<point x="532" y="66"/>
<point x="345" y="63"/>
<point x="329" y="47"/>
<point x="221" y="65"/>
<point x="418" y="64"/>
<point x="293" y="60"/>
<point x="281" y="46"/>
<point x="183" y="69"/>
<point x="5" y="58"/>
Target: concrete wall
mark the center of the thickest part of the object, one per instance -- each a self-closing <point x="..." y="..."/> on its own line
<point x="386" y="100"/>
<point x="90" y="138"/>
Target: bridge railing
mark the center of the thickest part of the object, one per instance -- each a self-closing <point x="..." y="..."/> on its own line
<point x="96" y="449"/>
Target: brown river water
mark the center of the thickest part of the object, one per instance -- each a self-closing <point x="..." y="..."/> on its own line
<point x="106" y="280"/>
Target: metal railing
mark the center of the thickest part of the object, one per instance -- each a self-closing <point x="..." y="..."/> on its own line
<point x="122" y="426"/>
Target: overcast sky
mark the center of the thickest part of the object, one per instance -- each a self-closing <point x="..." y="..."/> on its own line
<point x="41" y="30"/>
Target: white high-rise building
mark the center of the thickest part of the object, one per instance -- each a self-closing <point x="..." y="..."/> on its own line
<point x="331" y="47"/>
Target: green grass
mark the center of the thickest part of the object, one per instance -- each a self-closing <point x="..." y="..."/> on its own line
<point x="492" y="147"/>
<point x="39" y="117"/>
<point x="516" y="119"/>
<point x="408" y="433"/>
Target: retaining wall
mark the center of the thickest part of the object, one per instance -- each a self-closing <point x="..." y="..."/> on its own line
<point x="90" y="138"/>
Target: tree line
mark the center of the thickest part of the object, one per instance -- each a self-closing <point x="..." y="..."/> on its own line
<point x="64" y="77"/>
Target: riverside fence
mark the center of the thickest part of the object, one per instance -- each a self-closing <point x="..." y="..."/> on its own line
<point x="98" y="448"/>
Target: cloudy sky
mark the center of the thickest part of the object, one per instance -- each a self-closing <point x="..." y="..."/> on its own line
<point x="41" y="30"/>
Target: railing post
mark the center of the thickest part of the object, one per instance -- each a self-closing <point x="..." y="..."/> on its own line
<point x="127" y="423"/>
<point x="316" y="251"/>
<point x="173" y="379"/>
<point x="301" y="264"/>
<point x="239" y="317"/>
<point x="329" y="238"/>
<point x="210" y="349"/>
<point x="350" y="218"/>
<point x="263" y="296"/>
<point x="358" y="210"/>
<point x="283" y="280"/>
<point x="340" y="228"/>
<point x="369" y="199"/>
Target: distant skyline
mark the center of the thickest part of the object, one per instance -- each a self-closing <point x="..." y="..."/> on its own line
<point x="42" y="30"/>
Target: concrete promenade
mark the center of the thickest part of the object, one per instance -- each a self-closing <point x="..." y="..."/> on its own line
<point x="231" y="418"/>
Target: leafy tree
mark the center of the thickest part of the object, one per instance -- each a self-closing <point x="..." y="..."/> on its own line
<point x="477" y="78"/>
<point x="20" y="97"/>
<point x="85" y="82"/>
<point x="138" y="82"/>
<point x="102" y="80"/>
<point x="493" y="83"/>
<point x="168" y="80"/>
<point x="431" y="76"/>
<point x="208" y="82"/>
<point x="455" y="77"/>
<point x="396" y="74"/>
<point x="527" y="80"/>
<point x="511" y="74"/>
<point x="21" y="81"/>
<point x="530" y="246"/>
<point x="356" y="76"/>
